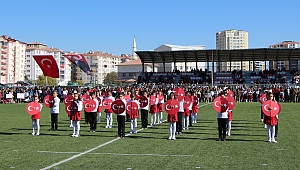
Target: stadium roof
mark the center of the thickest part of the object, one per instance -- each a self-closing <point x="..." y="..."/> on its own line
<point x="258" y="54"/>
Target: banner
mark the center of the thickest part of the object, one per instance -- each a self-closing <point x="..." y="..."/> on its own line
<point x="20" y="95"/>
<point x="80" y="61"/>
<point x="48" y="65"/>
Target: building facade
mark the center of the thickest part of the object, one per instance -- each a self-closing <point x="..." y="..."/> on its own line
<point x="285" y="65"/>
<point x="181" y="66"/>
<point x="33" y="70"/>
<point x="233" y="39"/>
<point x="12" y="60"/>
<point x="100" y="64"/>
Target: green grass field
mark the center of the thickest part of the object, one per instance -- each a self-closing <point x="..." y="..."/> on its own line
<point x="196" y="148"/>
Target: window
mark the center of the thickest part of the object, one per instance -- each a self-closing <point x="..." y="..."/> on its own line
<point x="124" y="74"/>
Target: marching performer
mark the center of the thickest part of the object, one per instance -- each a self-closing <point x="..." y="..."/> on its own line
<point x="144" y="113"/>
<point x="195" y="108"/>
<point x="36" y="119"/>
<point x="75" y="116"/>
<point x="160" y="107"/>
<point x="222" y="118"/>
<point x="109" y="118"/>
<point x="153" y="109"/>
<point x="93" y="114"/>
<point x="54" y="111"/>
<point x="172" y="119"/>
<point x="100" y="99"/>
<point x="133" y="117"/>
<point x="271" y="123"/>
<point x="121" y="119"/>
<point x="179" y="117"/>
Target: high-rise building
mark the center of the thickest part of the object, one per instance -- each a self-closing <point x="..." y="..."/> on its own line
<point x="100" y="64"/>
<point x="12" y="60"/>
<point x="232" y="39"/>
<point x="293" y="65"/>
<point x="33" y="71"/>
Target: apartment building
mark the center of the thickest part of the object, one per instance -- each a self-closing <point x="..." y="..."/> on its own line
<point x="12" y="60"/>
<point x="232" y="39"/>
<point x="100" y="63"/>
<point x="293" y="64"/>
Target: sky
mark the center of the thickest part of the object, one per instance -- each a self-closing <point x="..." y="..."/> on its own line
<point x="110" y="25"/>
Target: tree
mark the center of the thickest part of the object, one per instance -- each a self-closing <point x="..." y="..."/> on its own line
<point x="80" y="82"/>
<point x="110" y="78"/>
<point x="41" y="81"/>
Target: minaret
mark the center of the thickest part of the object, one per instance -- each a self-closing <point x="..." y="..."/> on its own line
<point x="134" y="56"/>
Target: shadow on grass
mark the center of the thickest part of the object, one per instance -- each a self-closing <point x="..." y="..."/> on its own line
<point x="10" y="133"/>
<point x="235" y="140"/>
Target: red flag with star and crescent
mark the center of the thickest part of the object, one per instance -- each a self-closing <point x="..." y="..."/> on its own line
<point x="48" y="65"/>
<point x="80" y="61"/>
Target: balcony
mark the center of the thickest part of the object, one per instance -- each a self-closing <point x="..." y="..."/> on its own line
<point x="3" y="63"/>
<point x="3" y="68"/>
<point x="4" y="46"/>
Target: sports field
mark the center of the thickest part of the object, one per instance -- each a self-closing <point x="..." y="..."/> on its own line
<point x="196" y="148"/>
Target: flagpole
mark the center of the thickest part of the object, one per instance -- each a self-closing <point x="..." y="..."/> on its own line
<point x="46" y="80"/>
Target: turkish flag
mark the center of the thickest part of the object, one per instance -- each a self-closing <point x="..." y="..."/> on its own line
<point x="85" y="98"/>
<point x="49" y="101"/>
<point x="68" y="100"/>
<point x="33" y="108"/>
<point x="118" y="106"/>
<point x="89" y="105"/>
<point x="271" y="108"/>
<point x="179" y="93"/>
<point x="230" y="93"/>
<point x="187" y="101"/>
<point x="172" y="106"/>
<point x="80" y="61"/>
<point x="231" y="102"/>
<point x="48" y="65"/>
<point x="263" y="98"/>
<point x="132" y="108"/>
<point x="220" y="104"/>
<point x="143" y="101"/>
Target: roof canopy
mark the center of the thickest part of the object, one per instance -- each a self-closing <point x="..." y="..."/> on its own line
<point x="258" y="54"/>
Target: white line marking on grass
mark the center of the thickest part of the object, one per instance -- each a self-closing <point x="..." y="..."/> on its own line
<point x="90" y="150"/>
<point x="281" y="149"/>
<point x="113" y="154"/>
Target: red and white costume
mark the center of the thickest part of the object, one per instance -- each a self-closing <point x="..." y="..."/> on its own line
<point x="153" y="110"/>
<point x="133" y="117"/>
<point x="109" y="118"/>
<point x="36" y="122"/>
<point x="172" y="119"/>
<point x="75" y="116"/>
<point x="160" y="108"/>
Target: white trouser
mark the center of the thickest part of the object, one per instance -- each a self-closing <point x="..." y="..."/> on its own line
<point x="229" y="127"/>
<point x="99" y="116"/>
<point x="186" y="121"/>
<point x="36" y="125"/>
<point x="172" y="128"/>
<point x="160" y="116"/>
<point x="133" y="124"/>
<point x="194" y="117"/>
<point x="109" y="119"/>
<point x="76" y="127"/>
<point x="271" y="132"/>
<point x="152" y="118"/>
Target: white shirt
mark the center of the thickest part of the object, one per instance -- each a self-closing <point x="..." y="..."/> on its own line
<point x="79" y="105"/>
<point x="181" y="108"/>
<point x="123" y="113"/>
<point x="55" y="108"/>
<point x="97" y="104"/>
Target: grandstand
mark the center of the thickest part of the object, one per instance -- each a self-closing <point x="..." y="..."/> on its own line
<point x="271" y="75"/>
